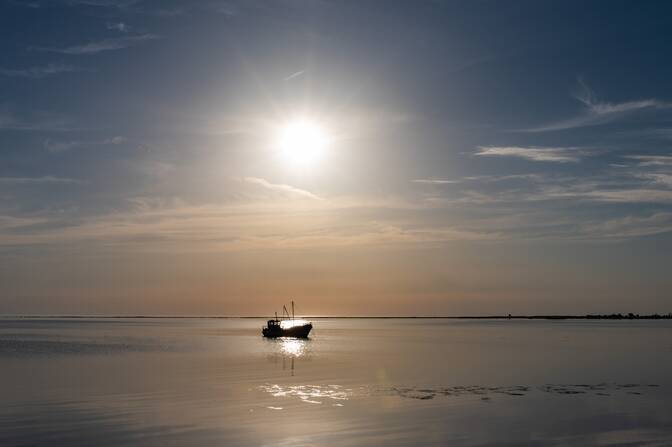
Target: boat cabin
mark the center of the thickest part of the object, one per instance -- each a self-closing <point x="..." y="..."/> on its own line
<point x="287" y="328"/>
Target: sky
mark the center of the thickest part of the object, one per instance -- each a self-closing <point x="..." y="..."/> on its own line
<point x="451" y="158"/>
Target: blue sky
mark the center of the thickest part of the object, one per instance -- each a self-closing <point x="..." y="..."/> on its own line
<point x="483" y="156"/>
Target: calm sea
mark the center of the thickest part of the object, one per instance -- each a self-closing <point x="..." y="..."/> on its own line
<point x="400" y="382"/>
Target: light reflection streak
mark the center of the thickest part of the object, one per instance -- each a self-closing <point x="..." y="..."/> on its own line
<point x="288" y="350"/>
<point x="320" y="394"/>
<point x="292" y="347"/>
<point x="310" y="394"/>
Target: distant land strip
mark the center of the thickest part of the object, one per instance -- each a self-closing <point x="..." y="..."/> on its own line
<point x="618" y="316"/>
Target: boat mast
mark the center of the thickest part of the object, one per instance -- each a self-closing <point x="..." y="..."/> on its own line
<point x="292" y="310"/>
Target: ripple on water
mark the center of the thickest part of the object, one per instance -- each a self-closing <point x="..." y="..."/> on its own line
<point x="318" y="394"/>
<point x="310" y="394"/>
<point x="10" y="347"/>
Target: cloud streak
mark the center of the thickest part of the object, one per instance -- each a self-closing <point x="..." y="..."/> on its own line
<point x="111" y="44"/>
<point x="152" y="225"/>
<point x="37" y="180"/>
<point x="47" y="122"/>
<point x="294" y="75"/>
<point x="118" y="26"/>
<point x="55" y="146"/>
<point x="120" y="4"/>
<point x="39" y="72"/>
<point x="431" y="181"/>
<point x="476" y="178"/>
<point x="651" y="160"/>
<point x="631" y="226"/>
<point x="598" y="112"/>
<point x="540" y="154"/>
<point x="279" y="187"/>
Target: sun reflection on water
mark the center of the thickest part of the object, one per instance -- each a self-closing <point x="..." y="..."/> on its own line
<point x="310" y="394"/>
<point x="292" y="347"/>
<point x="287" y="351"/>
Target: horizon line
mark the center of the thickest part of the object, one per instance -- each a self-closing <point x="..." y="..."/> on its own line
<point x="427" y="317"/>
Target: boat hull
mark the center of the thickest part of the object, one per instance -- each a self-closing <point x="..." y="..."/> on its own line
<point x="294" y="332"/>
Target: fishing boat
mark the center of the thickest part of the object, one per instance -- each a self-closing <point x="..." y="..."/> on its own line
<point x="287" y="327"/>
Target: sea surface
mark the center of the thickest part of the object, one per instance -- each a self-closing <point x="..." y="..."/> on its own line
<point x="355" y="382"/>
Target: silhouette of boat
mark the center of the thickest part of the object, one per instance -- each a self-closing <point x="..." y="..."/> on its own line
<point x="289" y="327"/>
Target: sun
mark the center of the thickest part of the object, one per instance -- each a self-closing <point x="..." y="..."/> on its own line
<point x="302" y="143"/>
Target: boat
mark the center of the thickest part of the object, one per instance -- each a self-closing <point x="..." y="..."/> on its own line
<point x="287" y="327"/>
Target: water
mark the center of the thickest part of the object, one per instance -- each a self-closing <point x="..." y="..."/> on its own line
<point x="203" y="382"/>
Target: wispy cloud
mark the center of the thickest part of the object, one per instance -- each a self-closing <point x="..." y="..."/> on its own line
<point x="63" y="146"/>
<point x="115" y="43"/>
<point x="39" y="72"/>
<point x="134" y="6"/>
<point x="630" y="226"/>
<point x="644" y="191"/>
<point x="543" y="154"/>
<point x="12" y="222"/>
<point x="120" y="4"/>
<point x="287" y="189"/>
<point x="119" y="26"/>
<point x="598" y="112"/>
<point x="630" y="195"/>
<point x="155" y="226"/>
<point x="552" y="207"/>
<point x="37" y="180"/>
<point x="661" y="179"/>
<point x="294" y="75"/>
<point x="652" y="160"/>
<point x="47" y="122"/>
<point x="476" y="178"/>
<point x="646" y="182"/>
<point x="432" y="181"/>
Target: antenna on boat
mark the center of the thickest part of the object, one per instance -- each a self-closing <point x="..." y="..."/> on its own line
<point x="292" y="310"/>
<point x="276" y="315"/>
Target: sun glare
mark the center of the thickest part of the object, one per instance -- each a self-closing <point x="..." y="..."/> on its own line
<point x="302" y="143"/>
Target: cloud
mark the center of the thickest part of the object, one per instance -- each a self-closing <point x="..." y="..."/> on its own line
<point x="12" y="222"/>
<point x="631" y="226"/>
<point x="154" y="224"/>
<point x="294" y="75"/>
<point x="288" y="189"/>
<point x="133" y="6"/>
<point x="659" y="179"/>
<point x="60" y="146"/>
<point x="47" y="122"/>
<point x="630" y="195"/>
<point x="63" y="146"/>
<point x="543" y="154"/>
<point x="430" y="181"/>
<point x="645" y="183"/>
<point x="587" y="192"/>
<point x="652" y="160"/>
<point x="477" y="178"/>
<point x="120" y="4"/>
<point x="39" y="72"/>
<point x="119" y="26"/>
<point x="598" y="112"/>
<point x="561" y="208"/>
<point x="116" y="43"/>
<point x="37" y="180"/>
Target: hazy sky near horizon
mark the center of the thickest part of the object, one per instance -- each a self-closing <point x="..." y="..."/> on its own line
<point x="481" y="157"/>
